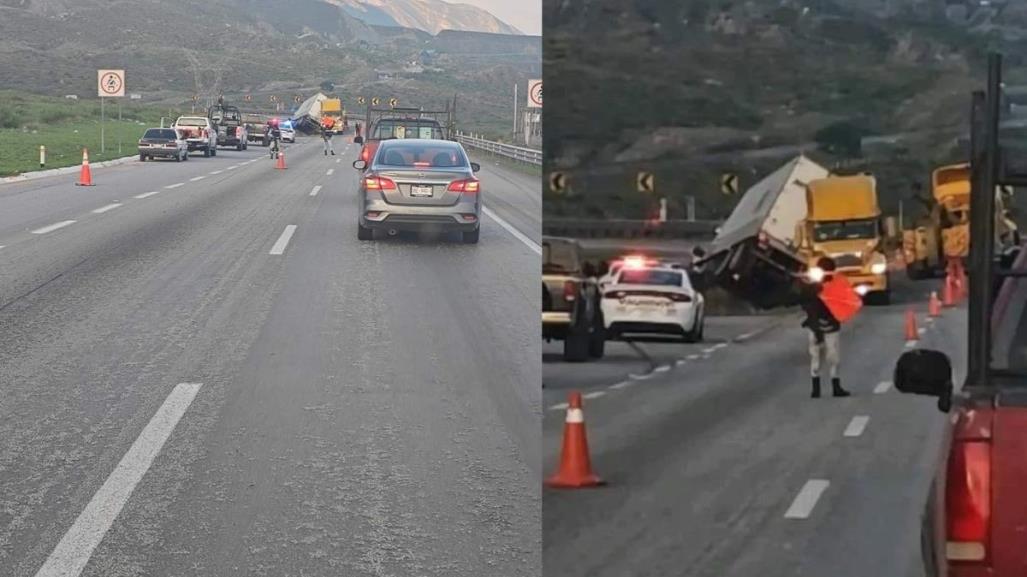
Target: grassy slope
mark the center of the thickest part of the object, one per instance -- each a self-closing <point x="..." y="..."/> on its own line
<point x="66" y="127"/>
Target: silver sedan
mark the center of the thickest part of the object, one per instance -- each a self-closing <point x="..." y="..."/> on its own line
<point x="422" y="186"/>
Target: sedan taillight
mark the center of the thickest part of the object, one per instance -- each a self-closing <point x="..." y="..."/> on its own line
<point x="470" y="185"/>
<point x="680" y="298"/>
<point x="379" y="183"/>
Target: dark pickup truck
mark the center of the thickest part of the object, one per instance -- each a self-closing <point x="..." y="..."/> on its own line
<point x="570" y="301"/>
<point x="229" y="124"/>
<point x="403" y="123"/>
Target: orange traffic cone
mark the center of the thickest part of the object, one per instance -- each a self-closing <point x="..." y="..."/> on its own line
<point x="911" y="332"/>
<point x="281" y="161"/>
<point x="85" y="177"/>
<point x="934" y="305"/>
<point x="575" y="465"/>
<point x="948" y="292"/>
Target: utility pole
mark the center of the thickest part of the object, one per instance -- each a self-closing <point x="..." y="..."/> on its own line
<point x="515" y="115"/>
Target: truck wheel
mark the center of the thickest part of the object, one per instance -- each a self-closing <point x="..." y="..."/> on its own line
<point x="576" y="345"/>
<point x="206" y="152"/>
<point x="597" y="340"/>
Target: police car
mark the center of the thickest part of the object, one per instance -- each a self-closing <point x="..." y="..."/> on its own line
<point x="647" y="298"/>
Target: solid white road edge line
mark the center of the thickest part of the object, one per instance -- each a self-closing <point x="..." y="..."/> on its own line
<point x="856" y="426"/>
<point x="882" y="387"/>
<point x="315" y="190"/>
<point x="510" y="228"/>
<point x="54" y="227"/>
<point x="807" y="499"/>
<point x="283" y="241"/>
<point x="146" y="194"/>
<point x="594" y="395"/>
<point x="104" y="209"/>
<point x="72" y="554"/>
<point x="621" y="385"/>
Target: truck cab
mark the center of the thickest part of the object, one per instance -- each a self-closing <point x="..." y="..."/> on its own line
<point x="843" y="221"/>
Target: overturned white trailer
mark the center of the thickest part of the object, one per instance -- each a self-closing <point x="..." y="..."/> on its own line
<point x="754" y="255"/>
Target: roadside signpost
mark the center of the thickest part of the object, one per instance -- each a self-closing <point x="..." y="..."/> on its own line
<point x="109" y="84"/>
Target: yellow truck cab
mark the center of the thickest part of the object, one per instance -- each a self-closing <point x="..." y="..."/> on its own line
<point x="843" y="221"/>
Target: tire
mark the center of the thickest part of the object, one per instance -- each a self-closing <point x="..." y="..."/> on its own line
<point x="597" y="340"/>
<point x="471" y="237"/>
<point x="239" y="147"/>
<point x="265" y="143"/>
<point x="185" y="155"/>
<point x="696" y="334"/>
<point x="364" y="233"/>
<point x="575" y="345"/>
<point x="142" y="158"/>
<point x="206" y="152"/>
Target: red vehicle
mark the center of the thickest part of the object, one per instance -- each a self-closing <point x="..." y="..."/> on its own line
<point x="404" y="123"/>
<point x="975" y="521"/>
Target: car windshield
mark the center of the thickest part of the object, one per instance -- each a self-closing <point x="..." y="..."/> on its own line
<point x="650" y="276"/>
<point x="844" y="230"/>
<point x="192" y="122"/>
<point x="404" y="129"/>
<point x="415" y="155"/>
<point x="161" y="133"/>
<point x="559" y="257"/>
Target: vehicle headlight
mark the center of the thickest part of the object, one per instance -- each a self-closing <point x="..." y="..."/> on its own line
<point x="815" y="274"/>
<point x="862" y="290"/>
<point x="880" y="267"/>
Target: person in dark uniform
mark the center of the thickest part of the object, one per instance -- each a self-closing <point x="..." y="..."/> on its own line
<point x="824" y="331"/>
<point x="274" y="133"/>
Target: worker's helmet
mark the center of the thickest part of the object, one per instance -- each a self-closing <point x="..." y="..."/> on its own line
<point x="826" y="264"/>
<point x="273" y="122"/>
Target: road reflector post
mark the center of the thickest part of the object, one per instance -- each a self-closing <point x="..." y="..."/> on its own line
<point x="575" y="465"/>
<point x="42" y="156"/>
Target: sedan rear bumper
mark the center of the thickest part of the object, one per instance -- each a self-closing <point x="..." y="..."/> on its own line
<point x="159" y="151"/>
<point x="462" y="217"/>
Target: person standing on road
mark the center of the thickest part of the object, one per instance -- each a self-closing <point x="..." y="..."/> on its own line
<point x="274" y="132"/>
<point x="824" y="331"/>
<point x="327" y="126"/>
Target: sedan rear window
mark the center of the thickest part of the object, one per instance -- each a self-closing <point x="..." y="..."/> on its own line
<point x="422" y="156"/>
<point x="650" y="277"/>
<point x="163" y="133"/>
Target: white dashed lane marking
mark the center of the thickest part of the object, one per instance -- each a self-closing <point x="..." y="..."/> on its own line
<point x="146" y="194"/>
<point x="315" y="190"/>
<point x="594" y="395"/>
<point x="104" y="209"/>
<point x="559" y="407"/>
<point x="330" y="172"/>
<point x="807" y="498"/>
<point x="197" y="178"/>
<point x="882" y="387"/>
<point x="856" y="426"/>
<point x="53" y="227"/>
<point x="72" y="553"/>
<point x="283" y="241"/>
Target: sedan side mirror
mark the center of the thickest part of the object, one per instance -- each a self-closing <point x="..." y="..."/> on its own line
<point x="358" y="140"/>
<point x="925" y="372"/>
<point x="360" y="164"/>
<point x="475" y="167"/>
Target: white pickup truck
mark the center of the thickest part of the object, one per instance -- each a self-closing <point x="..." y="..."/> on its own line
<point x="200" y="134"/>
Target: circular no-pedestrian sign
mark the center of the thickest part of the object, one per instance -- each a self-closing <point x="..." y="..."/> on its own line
<point x="535" y="94"/>
<point x="112" y="83"/>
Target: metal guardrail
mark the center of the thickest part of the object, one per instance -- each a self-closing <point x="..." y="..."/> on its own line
<point x="518" y="153"/>
<point x="629" y="229"/>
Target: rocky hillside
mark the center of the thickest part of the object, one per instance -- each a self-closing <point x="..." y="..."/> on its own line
<point x="173" y="50"/>
<point x="429" y="15"/>
<point x="684" y="87"/>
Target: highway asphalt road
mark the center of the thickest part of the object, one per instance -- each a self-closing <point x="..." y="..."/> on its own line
<point x="205" y="373"/>
<point x="722" y="466"/>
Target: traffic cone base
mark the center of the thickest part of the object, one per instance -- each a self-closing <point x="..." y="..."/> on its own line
<point x="911" y="332"/>
<point x="85" y="177"/>
<point x="934" y="305"/>
<point x="575" y="466"/>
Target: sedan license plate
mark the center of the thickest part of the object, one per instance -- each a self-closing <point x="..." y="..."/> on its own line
<point x="421" y="191"/>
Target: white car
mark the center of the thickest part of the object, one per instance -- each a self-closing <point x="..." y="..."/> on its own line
<point x="288" y="132"/>
<point x="653" y="300"/>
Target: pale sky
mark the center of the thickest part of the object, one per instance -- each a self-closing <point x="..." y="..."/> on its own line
<point x="525" y="15"/>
